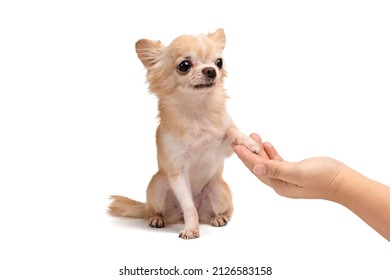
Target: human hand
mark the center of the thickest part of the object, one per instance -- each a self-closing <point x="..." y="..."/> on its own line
<point x="317" y="177"/>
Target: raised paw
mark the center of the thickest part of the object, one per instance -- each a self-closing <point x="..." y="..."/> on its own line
<point x="156" y="222"/>
<point x="219" y="221"/>
<point x="247" y="142"/>
<point x="189" y="234"/>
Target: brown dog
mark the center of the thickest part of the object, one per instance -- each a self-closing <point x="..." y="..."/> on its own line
<point x="193" y="138"/>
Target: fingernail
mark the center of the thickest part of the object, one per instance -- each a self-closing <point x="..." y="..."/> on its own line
<point x="259" y="169"/>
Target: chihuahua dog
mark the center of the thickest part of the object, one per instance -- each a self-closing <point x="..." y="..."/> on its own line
<point x="194" y="135"/>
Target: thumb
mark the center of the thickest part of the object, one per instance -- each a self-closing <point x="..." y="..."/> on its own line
<point x="281" y="170"/>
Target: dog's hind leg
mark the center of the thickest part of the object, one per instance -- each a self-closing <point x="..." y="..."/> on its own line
<point x="156" y="197"/>
<point x="215" y="205"/>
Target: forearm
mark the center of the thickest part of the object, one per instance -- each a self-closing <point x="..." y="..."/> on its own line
<point x="368" y="199"/>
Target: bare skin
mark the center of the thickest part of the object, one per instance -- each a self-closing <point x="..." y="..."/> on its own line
<point x="321" y="178"/>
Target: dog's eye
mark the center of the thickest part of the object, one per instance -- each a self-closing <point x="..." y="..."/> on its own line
<point x="219" y="63"/>
<point x="184" y="66"/>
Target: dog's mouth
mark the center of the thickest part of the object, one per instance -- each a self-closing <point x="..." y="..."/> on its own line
<point x="207" y="85"/>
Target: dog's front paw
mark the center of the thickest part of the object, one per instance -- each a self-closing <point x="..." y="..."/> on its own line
<point x="247" y="142"/>
<point x="189" y="234"/>
<point x="219" y="221"/>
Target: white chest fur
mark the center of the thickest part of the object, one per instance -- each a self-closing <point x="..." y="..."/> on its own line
<point x="198" y="154"/>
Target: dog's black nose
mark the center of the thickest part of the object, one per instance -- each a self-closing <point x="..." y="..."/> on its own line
<point x="210" y="72"/>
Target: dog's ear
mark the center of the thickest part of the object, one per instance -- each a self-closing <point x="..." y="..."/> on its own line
<point x="148" y="51"/>
<point x="219" y="37"/>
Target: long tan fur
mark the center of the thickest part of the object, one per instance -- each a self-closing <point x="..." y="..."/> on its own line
<point x="125" y="207"/>
<point x="193" y="138"/>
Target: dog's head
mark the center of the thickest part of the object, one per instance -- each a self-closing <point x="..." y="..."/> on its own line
<point x="189" y="65"/>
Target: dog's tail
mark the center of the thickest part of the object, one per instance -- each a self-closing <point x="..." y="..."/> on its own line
<point x="122" y="206"/>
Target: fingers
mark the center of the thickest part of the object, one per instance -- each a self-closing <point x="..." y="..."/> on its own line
<point x="280" y="170"/>
<point x="248" y="158"/>
<point x="271" y="151"/>
<point x="267" y="163"/>
<point x="269" y="167"/>
<point x="257" y="138"/>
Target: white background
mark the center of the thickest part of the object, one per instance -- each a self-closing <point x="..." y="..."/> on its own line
<point x="77" y="125"/>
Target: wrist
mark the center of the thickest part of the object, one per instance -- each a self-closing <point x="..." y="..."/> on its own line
<point x="347" y="186"/>
<point x="339" y="184"/>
